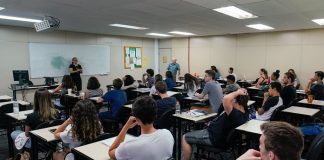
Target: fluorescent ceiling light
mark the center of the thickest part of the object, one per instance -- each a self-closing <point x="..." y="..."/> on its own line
<point x="127" y="26"/>
<point x="19" y="19"/>
<point x="235" y="12"/>
<point x="182" y="33"/>
<point x="2" y="8"/>
<point x="158" y="34"/>
<point x="319" y="21"/>
<point x="260" y="27"/>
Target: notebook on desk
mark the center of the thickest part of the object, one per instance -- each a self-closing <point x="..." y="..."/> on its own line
<point x="108" y="142"/>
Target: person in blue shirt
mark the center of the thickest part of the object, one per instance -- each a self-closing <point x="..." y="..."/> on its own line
<point x="169" y="80"/>
<point x="315" y="86"/>
<point x="174" y="67"/>
<point x="116" y="97"/>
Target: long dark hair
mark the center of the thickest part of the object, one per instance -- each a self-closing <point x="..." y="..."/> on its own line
<point x="128" y="80"/>
<point x="189" y="81"/>
<point x="93" y="83"/>
<point x="243" y="101"/>
<point x="86" y="125"/>
<point x="43" y="105"/>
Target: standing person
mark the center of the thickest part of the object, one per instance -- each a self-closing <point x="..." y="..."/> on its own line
<point x="316" y="89"/>
<point x="213" y="90"/>
<point x="152" y="144"/>
<point x="174" y="67"/>
<point x="279" y="140"/>
<point x="288" y="92"/>
<point x="75" y="71"/>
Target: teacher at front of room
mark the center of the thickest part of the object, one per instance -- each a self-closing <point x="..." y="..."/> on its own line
<point x="75" y="71"/>
<point x="174" y="67"/>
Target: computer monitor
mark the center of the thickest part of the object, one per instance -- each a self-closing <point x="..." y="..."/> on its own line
<point x="49" y="81"/>
<point x="21" y="75"/>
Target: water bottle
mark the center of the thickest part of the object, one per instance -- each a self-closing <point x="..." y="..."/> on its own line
<point x="177" y="109"/>
<point x="15" y="107"/>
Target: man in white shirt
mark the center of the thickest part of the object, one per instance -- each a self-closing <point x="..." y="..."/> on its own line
<point x="231" y="72"/>
<point x="152" y="144"/>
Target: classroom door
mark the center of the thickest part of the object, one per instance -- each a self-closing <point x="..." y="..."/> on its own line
<point x="164" y="60"/>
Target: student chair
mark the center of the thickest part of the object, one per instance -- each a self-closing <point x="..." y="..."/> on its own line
<point x="316" y="149"/>
<point x="212" y="152"/>
<point x="276" y="114"/>
<point x="113" y="125"/>
<point x="131" y="95"/>
<point x="165" y="120"/>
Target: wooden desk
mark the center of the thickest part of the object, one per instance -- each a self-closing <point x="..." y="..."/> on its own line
<point x="21" y="115"/>
<point x="97" y="150"/>
<point x="250" y="102"/>
<point x="15" y="88"/>
<point x="179" y="87"/>
<point x="142" y="90"/>
<point x="301" y="111"/>
<point x="5" y="98"/>
<point x="254" y="88"/>
<point x="252" y="126"/>
<point x="24" y="103"/>
<point x="186" y="117"/>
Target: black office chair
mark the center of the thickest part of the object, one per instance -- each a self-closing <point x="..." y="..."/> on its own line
<point x="131" y="95"/>
<point x="316" y="149"/>
<point x="276" y="114"/>
<point x="294" y="102"/>
<point x="212" y="152"/>
<point x="113" y="125"/>
<point x="165" y="120"/>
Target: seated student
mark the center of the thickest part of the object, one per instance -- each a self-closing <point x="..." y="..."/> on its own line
<point x="217" y="73"/>
<point x="116" y="97"/>
<point x="279" y="141"/>
<point x="152" y="144"/>
<point x="191" y="84"/>
<point x="231" y="85"/>
<point x="273" y="78"/>
<point x="231" y="72"/>
<point x="316" y="89"/>
<point x="235" y="113"/>
<point x="82" y="126"/>
<point x="66" y="84"/>
<point x="93" y="88"/>
<point x="43" y="112"/>
<point x="169" y="80"/>
<point x="166" y="102"/>
<point x="271" y="101"/>
<point x="296" y="82"/>
<point x="213" y="89"/>
<point x="263" y="78"/>
<point x="149" y="80"/>
<point x="288" y="92"/>
<point x="129" y="82"/>
<point x="157" y="78"/>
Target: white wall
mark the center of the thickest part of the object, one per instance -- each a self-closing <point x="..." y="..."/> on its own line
<point x="302" y="50"/>
<point x="15" y="54"/>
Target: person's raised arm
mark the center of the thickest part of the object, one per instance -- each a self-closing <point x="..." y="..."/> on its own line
<point x="309" y="84"/>
<point x="251" y="154"/>
<point x="121" y="136"/>
<point x="62" y="127"/>
<point x="265" y="98"/>
<point x="58" y="88"/>
<point x="229" y="99"/>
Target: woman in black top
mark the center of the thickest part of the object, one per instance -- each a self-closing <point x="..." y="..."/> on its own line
<point x="75" y="71"/>
<point x="43" y="112"/>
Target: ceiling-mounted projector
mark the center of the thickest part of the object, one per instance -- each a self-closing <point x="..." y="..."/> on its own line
<point x="48" y="24"/>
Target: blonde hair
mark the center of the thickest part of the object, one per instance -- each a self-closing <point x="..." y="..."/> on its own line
<point x="43" y="105"/>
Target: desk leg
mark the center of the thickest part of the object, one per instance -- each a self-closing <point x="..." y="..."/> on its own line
<point x="10" y="142"/>
<point x="179" y="138"/>
<point x="34" y="142"/>
<point x="14" y="95"/>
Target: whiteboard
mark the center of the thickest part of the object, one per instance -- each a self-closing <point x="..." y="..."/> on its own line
<point x="53" y="60"/>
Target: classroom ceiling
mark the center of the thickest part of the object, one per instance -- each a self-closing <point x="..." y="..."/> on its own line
<point x="163" y="16"/>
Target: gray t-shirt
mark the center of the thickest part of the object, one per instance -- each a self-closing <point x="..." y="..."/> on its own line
<point x="231" y="88"/>
<point x="215" y="94"/>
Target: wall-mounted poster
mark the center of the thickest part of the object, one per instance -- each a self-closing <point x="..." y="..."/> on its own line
<point x="132" y="57"/>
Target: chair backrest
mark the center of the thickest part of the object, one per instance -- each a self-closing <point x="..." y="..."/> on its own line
<point x="294" y="102"/>
<point x="131" y="95"/>
<point x="276" y="113"/>
<point x="166" y="120"/>
<point x="50" y="123"/>
<point x="316" y="149"/>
